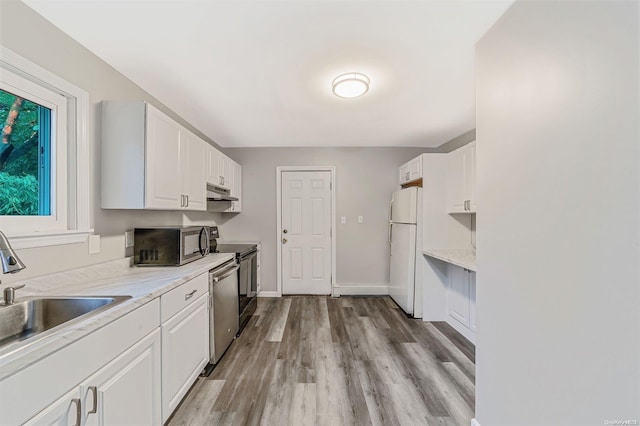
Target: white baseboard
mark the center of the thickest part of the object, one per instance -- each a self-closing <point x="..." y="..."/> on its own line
<point x="474" y="422"/>
<point x="268" y="294"/>
<point x="361" y="290"/>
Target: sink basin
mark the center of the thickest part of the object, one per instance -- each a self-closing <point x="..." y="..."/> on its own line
<point x="33" y="316"/>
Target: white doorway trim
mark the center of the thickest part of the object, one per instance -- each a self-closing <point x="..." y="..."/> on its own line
<point x="279" y="170"/>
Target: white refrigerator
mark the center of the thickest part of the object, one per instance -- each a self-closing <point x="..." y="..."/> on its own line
<point x="405" y="232"/>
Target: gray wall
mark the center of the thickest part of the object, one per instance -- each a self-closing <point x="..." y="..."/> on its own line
<point x="31" y="36"/>
<point x="558" y="215"/>
<point x="365" y="179"/>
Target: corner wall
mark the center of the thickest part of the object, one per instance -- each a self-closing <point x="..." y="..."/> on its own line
<point x="558" y="290"/>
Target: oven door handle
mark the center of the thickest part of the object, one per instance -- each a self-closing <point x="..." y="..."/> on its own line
<point x="217" y="278"/>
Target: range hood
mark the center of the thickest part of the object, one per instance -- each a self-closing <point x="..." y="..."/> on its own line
<point x="216" y="193"/>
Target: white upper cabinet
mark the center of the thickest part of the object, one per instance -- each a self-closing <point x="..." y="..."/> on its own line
<point x="410" y="171"/>
<point x="162" y="150"/>
<point x="236" y="186"/>
<point x="461" y="179"/>
<point x="193" y="152"/>
<point x="213" y="176"/>
<point x="218" y="168"/>
<point x="149" y="161"/>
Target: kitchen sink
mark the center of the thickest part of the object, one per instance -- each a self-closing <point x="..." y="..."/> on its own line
<point x="38" y="316"/>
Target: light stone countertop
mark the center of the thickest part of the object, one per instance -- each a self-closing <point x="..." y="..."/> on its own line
<point x="465" y="258"/>
<point x="115" y="278"/>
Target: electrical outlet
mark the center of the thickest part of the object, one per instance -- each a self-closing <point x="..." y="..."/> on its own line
<point x="94" y="244"/>
<point x="128" y="239"/>
<point x="360" y="219"/>
<point x="343" y="220"/>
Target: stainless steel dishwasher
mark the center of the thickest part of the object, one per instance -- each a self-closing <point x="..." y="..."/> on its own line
<point x="223" y="317"/>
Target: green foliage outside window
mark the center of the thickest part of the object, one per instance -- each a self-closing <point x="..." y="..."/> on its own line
<point x="19" y="156"/>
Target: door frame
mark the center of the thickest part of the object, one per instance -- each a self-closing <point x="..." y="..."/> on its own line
<point x="332" y="189"/>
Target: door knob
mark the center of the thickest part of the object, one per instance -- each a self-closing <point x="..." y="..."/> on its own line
<point x="284" y="241"/>
<point x="284" y="231"/>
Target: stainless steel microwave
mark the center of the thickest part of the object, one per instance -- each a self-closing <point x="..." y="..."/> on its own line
<point x="170" y="246"/>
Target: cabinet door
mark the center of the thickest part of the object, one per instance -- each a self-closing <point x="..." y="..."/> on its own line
<point x="213" y="177"/>
<point x="461" y="171"/>
<point x="403" y="173"/>
<point x="185" y="352"/>
<point x="472" y="300"/>
<point x="415" y="169"/>
<point x="193" y="158"/>
<point x="458" y="295"/>
<point x="224" y="170"/>
<point x="236" y="186"/>
<point x="162" y="162"/>
<point x="455" y="182"/>
<point x="66" y="411"/>
<point x="127" y="390"/>
<point x="470" y="176"/>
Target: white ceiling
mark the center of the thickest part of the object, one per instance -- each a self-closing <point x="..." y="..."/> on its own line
<point x="258" y="73"/>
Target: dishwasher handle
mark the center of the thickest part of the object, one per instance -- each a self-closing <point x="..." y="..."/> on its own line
<point x="218" y="278"/>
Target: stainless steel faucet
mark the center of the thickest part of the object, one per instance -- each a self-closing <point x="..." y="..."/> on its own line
<point x="11" y="264"/>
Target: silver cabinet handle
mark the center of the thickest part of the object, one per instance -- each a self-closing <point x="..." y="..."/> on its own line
<point x="190" y="295"/>
<point x="78" y="410"/>
<point x="94" y="391"/>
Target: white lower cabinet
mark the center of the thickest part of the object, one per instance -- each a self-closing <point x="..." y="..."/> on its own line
<point x="458" y="295"/>
<point x="133" y="371"/>
<point x="127" y="391"/>
<point x="66" y="411"/>
<point x="185" y="352"/>
<point x="472" y="301"/>
<point x="461" y="300"/>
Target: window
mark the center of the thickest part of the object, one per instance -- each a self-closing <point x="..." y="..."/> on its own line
<point x="25" y="156"/>
<point x="44" y="180"/>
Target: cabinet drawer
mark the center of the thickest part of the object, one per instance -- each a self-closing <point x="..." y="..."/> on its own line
<point x="180" y="297"/>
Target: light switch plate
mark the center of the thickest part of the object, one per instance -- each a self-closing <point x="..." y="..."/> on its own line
<point x="128" y="239"/>
<point x="94" y="244"/>
<point x="360" y="219"/>
<point x="343" y="220"/>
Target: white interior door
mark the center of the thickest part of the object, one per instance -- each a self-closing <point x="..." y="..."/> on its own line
<point x="306" y="232"/>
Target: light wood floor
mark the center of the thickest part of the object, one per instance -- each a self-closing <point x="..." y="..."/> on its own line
<point x="337" y="361"/>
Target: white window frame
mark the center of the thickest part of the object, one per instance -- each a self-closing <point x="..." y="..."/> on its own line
<point x="70" y="212"/>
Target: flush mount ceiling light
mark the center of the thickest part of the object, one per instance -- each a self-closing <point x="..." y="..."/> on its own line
<point x="350" y="85"/>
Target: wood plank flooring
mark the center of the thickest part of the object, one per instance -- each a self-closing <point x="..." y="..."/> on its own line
<point x="308" y="360"/>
